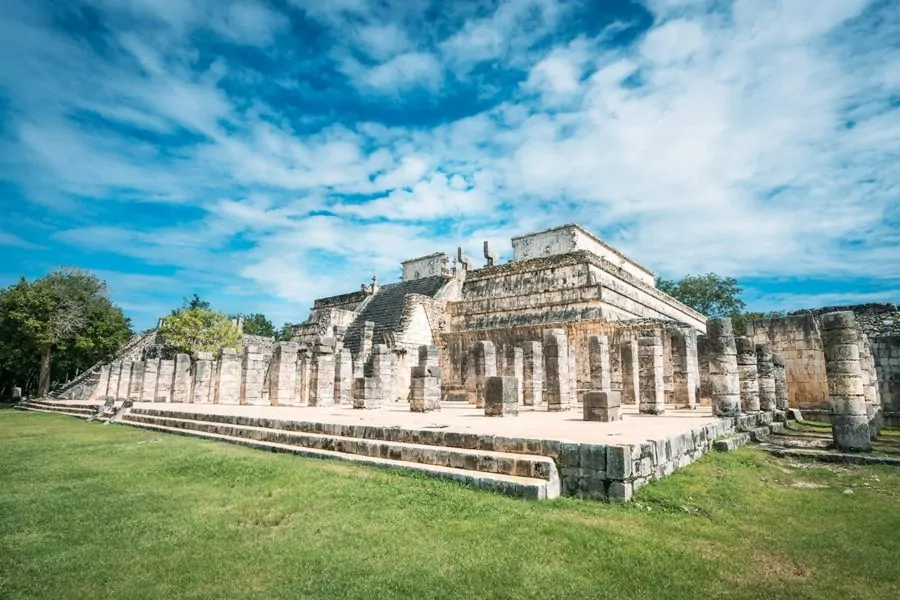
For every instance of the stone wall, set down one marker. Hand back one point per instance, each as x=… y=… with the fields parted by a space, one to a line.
x=426 y=266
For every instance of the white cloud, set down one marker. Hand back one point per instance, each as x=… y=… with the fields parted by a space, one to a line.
x=404 y=72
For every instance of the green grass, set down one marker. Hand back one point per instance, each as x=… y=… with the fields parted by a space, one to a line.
x=93 y=511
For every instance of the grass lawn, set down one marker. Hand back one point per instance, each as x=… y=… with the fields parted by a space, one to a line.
x=94 y=511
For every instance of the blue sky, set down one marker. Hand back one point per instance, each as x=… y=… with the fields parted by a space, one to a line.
x=263 y=153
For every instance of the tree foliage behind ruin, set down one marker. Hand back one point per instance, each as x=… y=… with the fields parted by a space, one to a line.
x=190 y=330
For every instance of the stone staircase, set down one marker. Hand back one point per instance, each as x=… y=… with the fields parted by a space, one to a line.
x=522 y=475
x=82 y=411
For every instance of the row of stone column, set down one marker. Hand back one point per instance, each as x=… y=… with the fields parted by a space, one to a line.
x=744 y=377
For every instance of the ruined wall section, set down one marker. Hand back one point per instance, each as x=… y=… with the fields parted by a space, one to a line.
x=433 y=265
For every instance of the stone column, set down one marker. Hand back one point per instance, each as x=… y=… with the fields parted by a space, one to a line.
x=322 y=382
x=501 y=397
x=598 y=361
x=137 y=380
x=704 y=393
x=112 y=384
x=148 y=385
x=382 y=371
x=765 y=369
x=557 y=381
x=685 y=368
x=425 y=382
x=573 y=370
x=304 y=377
x=366 y=393
x=485 y=366
x=343 y=378
x=283 y=382
x=367 y=343
x=164 y=380
x=515 y=367
x=253 y=374
x=203 y=378
x=124 y=381
x=870 y=385
x=630 y=369
x=102 y=383
x=602 y=405
x=468 y=374
x=724 y=383
x=532 y=374
x=650 y=372
x=781 y=391
x=181 y=386
x=749 y=376
x=228 y=381
x=849 y=421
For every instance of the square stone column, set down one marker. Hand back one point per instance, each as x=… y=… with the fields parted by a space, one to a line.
x=650 y=371
x=514 y=366
x=685 y=368
x=322 y=382
x=724 y=382
x=124 y=380
x=557 y=380
x=630 y=372
x=148 y=385
x=228 y=382
x=501 y=397
x=425 y=381
x=870 y=385
x=253 y=373
x=573 y=370
x=366 y=393
x=748 y=373
x=137 y=380
x=765 y=370
x=485 y=366
x=283 y=382
x=602 y=405
x=304 y=377
x=203 y=378
x=343 y=378
x=598 y=361
x=164 y=380
x=781 y=390
x=532 y=374
x=182 y=380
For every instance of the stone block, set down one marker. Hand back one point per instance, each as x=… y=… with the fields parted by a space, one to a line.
x=366 y=393
x=501 y=397
x=425 y=394
x=602 y=406
x=618 y=462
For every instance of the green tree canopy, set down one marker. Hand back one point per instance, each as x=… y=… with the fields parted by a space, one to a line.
x=191 y=330
x=740 y=320
x=63 y=322
x=710 y=294
x=285 y=333
x=258 y=324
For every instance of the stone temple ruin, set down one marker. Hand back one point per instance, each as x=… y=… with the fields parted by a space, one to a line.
x=562 y=371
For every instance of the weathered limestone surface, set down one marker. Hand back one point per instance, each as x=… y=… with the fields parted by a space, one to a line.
x=650 y=372
x=253 y=372
x=598 y=361
x=724 y=383
x=850 y=422
x=501 y=397
x=181 y=382
x=304 y=377
x=148 y=385
x=602 y=405
x=383 y=371
x=102 y=383
x=781 y=391
x=343 y=378
x=765 y=368
x=870 y=386
x=228 y=382
x=124 y=383
x=425 y=386
x=748 y=373
x=164 y=380
x=485 y=356
x=630 y=372
x=366 y=393
x=557 y=382
x=532 y=374
x=283 y=369
x=685 y=367
x=514 y=366
x=204 y=372
x=137 y=380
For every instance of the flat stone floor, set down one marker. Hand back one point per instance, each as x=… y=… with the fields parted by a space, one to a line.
x=464 y=418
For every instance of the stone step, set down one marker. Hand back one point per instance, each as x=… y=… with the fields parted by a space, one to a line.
x=49 y=405
x=57 y=411
x=502 y=463
x=732 y=443
x=511 y=485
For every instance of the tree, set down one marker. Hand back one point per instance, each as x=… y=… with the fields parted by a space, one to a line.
x=258 y=324
x=740 y=320
x=193 y=302
x=64 y=318
x=286 y=333
x=710 y=294
x=191 y=330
